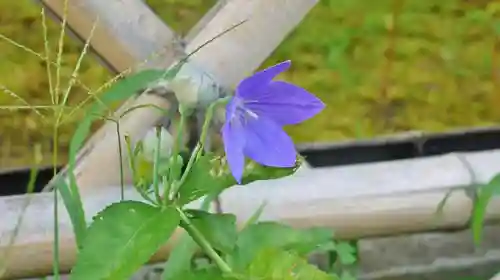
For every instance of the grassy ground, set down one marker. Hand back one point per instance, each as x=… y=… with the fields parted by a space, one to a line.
x=381 y=67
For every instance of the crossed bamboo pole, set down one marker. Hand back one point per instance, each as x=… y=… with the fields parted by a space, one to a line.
x=127 y=34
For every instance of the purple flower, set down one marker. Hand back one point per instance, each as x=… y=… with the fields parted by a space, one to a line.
x=255 y=117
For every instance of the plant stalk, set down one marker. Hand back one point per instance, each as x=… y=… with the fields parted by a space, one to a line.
x=55 y=265
x=156 y=165
x=195 y=155
x=203 y=243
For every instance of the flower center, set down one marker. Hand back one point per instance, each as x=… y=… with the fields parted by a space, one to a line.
x=240 y=114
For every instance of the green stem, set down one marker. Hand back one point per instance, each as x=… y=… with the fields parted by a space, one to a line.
x=156 y=165
x=195 y=155
x=55 y=265
x=178 y=142
x=208 y=118
x=173 y=185
x=122 y=187
x=203 y=243
x=176 y=185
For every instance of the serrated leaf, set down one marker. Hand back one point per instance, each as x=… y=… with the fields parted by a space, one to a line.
x=219 y=229
x=275 y=264
x=122 y=238
x=274 y=235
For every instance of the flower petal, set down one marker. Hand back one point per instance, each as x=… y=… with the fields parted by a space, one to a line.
x=231 y=108
x=268 y=144
x=234 y=142
x=250 y=86
x=285 y=103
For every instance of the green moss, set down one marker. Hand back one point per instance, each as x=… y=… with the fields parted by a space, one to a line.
x=440 y=75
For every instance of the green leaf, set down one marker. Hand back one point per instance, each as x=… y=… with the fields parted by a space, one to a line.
x=122 y=238
x=275 y=264
x=484 y=195
x=74 y=206
x=204 y=274
x=346 y=275
x=143 y=169
x=211 y=174
x=143 y=177
x=179 y=260
x=346 y=253
x=274 y=235
x=119 y=91
x=219 y=229
x=256 y=172
x=203 y=263
x=255 y=216
x=199 y=182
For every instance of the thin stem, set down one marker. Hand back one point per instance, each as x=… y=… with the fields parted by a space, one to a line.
x=203 y=243
x=26 y=103
x=173 y=172
x=74 y=75
x=197 y=150
x=208 y=118
x=131 y=163
x=60 y=51
x=156 y=165
x=166 y=189
x=180 y=139
x=176 y=185
x=47 y=59
x=195 y=155
x=120 y=155
x=55 y=266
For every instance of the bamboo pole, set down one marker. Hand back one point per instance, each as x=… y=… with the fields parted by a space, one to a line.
x=228 y=59
x=376 y=199
x=134 y=36
x=31 y=253
x=127 y=32
x=356 y=201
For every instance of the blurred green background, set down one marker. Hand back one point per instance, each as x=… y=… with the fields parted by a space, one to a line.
x=381 y=67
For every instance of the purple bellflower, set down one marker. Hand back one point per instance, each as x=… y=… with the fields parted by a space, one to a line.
x=255 y=117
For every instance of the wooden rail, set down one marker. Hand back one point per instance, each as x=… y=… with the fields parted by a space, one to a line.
x=357 y=201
